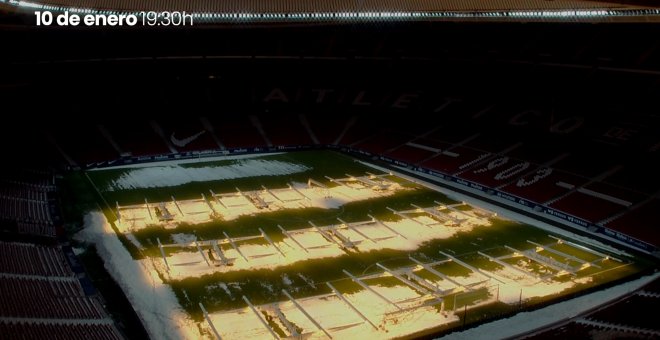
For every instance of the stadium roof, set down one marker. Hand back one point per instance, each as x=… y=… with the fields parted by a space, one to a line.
x=367 y=10
x=307 y=6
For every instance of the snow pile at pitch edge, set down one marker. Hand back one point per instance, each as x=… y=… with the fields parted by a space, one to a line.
x=173 y=175
x=154 y=301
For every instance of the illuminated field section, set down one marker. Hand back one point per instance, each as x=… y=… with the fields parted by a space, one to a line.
x=319 y=245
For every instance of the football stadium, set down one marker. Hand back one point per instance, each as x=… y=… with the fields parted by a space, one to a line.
x=260 y=169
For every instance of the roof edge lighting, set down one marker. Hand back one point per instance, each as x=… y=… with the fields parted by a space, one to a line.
x=238 y=17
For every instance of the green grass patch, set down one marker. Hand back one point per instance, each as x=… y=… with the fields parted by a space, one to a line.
x=296 y=219
x=321 y=163
x=223 y=291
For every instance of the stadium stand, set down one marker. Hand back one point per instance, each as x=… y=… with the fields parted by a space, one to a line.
x=98 y=149
x=590 y=208
x=41 y=296
x=539 y=153
x=285 y=130
x=641 y=177
x=46 y=299
x=138 y=138
x=420 y=126
x=493 y=143
x=434 y=145
x=451 y=135
x=640 y=222
x=542 y=186
x=616 y=194
x=455 y=159
x=497 y=171
x=588 y=163
x=566 y=181
x=30 y=259
x=26 y=203
x=63 y=331
x=381 y=143
x=625 y=318
x=237 y=132
x=326 y=128
x=411 y=153
x=627 y=312
x=32 y=178
x=361 y=130
x=187 y=135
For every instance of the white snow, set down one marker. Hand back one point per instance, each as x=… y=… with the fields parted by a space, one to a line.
x=234 y=205
x=225 y=288
x=158 y=307
x=173 y=175
x=268 y=287
x=286 y=280
x=154 y=301
x=133 y=240
x=184 y=264
x=518 y=286
x=502 y=212
x=184 y=161
x=183 y=238
x=337 y=318
x=528 y=321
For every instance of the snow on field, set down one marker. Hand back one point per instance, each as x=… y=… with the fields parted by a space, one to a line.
x=225 y=288
x=185 y=161
x=173 y=175
x=195 y=211
x=185 y=264
x=183 y=238
x=235 y=201
x=190 y=263
x=337 y=318
x=157 y=305
x=163 y=317
x=286 y=195
x=228 y=207
x=154 y=301
x=518 y=286
x=528 y=321
x=133 y=240
x=505 y=213
x=299 y=196
x=286 y=280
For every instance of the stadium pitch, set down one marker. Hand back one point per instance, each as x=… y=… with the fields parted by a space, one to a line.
x=318 y=245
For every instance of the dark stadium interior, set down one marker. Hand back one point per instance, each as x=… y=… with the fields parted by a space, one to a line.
x=575 y=103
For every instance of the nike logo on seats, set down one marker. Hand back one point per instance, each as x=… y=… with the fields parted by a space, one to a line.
x=183 y=142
